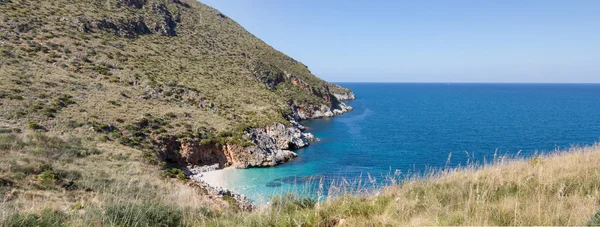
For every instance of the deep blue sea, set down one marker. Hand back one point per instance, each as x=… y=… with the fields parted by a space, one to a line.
x=412 y=127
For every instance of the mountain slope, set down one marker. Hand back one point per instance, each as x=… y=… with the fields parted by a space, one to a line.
x=176 y=79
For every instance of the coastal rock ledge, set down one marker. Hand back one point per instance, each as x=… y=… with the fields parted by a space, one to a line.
x=270 y=146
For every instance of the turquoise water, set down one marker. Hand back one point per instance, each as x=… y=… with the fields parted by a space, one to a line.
x=401 y=128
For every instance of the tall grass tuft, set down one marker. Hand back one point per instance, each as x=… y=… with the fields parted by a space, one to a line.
x=49 y=218
x=145 y=214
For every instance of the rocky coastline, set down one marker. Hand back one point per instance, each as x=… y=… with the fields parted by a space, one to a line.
x=196 y=172
x=273 y=145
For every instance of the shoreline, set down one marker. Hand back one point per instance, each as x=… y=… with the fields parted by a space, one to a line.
x=213 y=179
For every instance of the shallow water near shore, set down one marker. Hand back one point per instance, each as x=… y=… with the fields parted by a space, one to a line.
x=401 y=128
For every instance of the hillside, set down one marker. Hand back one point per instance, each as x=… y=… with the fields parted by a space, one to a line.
x=176 y=79
x=118 y=103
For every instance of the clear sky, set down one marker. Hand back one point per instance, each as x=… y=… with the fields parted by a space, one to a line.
x=430 y=41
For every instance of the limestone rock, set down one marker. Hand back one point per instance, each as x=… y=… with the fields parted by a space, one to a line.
x=303 y=112
x=344 y=96
x=288 y=137
x=265 y=152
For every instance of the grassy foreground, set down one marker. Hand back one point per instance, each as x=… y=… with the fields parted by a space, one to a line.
x=558 y=189
x=48 y=181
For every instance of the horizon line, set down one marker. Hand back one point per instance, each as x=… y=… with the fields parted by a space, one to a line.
x=467 y=82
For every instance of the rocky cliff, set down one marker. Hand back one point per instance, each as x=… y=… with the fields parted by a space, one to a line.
x=271 y=145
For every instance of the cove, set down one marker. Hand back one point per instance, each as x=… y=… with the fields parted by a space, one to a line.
x=411 y=127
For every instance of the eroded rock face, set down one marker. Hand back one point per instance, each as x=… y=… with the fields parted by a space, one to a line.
x=272 y=144
x=265 y=152
x=288 y=138
x=303 y=112
x=344 y=96
x=157 y=18
x=269 y=75
x=125 y=28
x=132 y=3
x=163 y=21
x=271 y=147
x=204 y=154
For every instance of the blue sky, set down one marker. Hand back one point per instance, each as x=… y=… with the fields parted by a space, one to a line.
x=430 y=41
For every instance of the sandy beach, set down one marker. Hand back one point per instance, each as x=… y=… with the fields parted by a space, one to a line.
x=217 y=178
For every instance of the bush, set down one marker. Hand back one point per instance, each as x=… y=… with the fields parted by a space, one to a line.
x=104 y=138
x=47 y=178
x=148 y=214
x=175 y=172
x=291 y=202
x=34 y=125
x=595 y=220
x=114 y=103
x=74 y=124
x=45 y=218
x=171 y=115
x=64 y=100
x=57 y=148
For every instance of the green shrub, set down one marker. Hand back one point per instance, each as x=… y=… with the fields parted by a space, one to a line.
x=57 y=148
x=289 y=203
x=34 y=125
x=146 y=214
x=47 y=217
x=225 y=134
x=74 y=124
x=47 y=178
x=77 y=206
x=114 y=103
x=171 y=115
x=104 y=138
x=64 y=100
x=175 y=172
x=595 y=220
x=172 y=84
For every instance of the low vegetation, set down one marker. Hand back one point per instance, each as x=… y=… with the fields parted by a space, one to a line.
x=46 y=180
x=559 y=189
x=182 y=60
x=137 y=71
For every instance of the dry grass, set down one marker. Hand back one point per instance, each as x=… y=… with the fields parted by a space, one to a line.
x=113 y=186
x=562 y=188
x=84 y=186
x=557 y=189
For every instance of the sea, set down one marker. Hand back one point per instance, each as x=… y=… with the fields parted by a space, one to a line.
x=402 y=129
